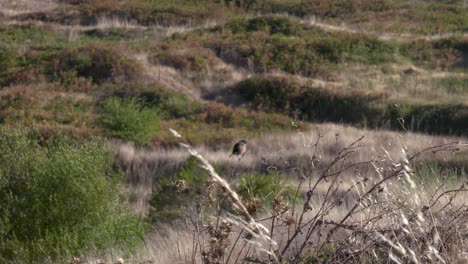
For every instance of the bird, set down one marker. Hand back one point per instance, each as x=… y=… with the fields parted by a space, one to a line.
x=239 y=149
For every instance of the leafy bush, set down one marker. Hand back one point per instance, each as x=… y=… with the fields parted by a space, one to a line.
x=127 y=119
x=60 y=198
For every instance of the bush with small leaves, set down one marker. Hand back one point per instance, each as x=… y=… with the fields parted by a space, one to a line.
x=127 y=119
x=60 y=197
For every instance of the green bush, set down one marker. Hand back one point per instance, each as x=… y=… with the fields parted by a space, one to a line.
x=126 y=119
x=60 y=198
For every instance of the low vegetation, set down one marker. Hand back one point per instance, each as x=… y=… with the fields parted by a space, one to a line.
x=280 y=43
x=279 y=94
x=341 y=208
x=102 y=101
x=429 y=17
x=143 y=12
x=61 y=197
x=127 y=119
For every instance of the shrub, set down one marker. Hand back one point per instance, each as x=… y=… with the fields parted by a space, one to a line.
x=288 y=96
x=60 y=198
x=442 y=53
x=193 y=60
x=17 y=103
x=179 y=193
x=261 y=191
x=127 y=119
x=269 y=93
x=94 y=62
x=271 y=43
x=171 y=104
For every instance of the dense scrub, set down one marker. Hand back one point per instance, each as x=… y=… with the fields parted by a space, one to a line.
x=69 y=66
x=277 y=43
x=60 y=197
x=269 y=43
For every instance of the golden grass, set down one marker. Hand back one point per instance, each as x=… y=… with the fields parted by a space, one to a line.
x=282 y=151
x=398 y=200
x=403 y=82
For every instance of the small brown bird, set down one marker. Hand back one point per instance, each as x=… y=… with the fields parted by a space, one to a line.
x=239 y=149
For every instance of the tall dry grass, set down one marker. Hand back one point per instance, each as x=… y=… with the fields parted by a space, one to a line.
x=358 y=198
x=405 y=80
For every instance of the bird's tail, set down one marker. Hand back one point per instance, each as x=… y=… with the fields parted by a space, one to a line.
x=230 y=155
